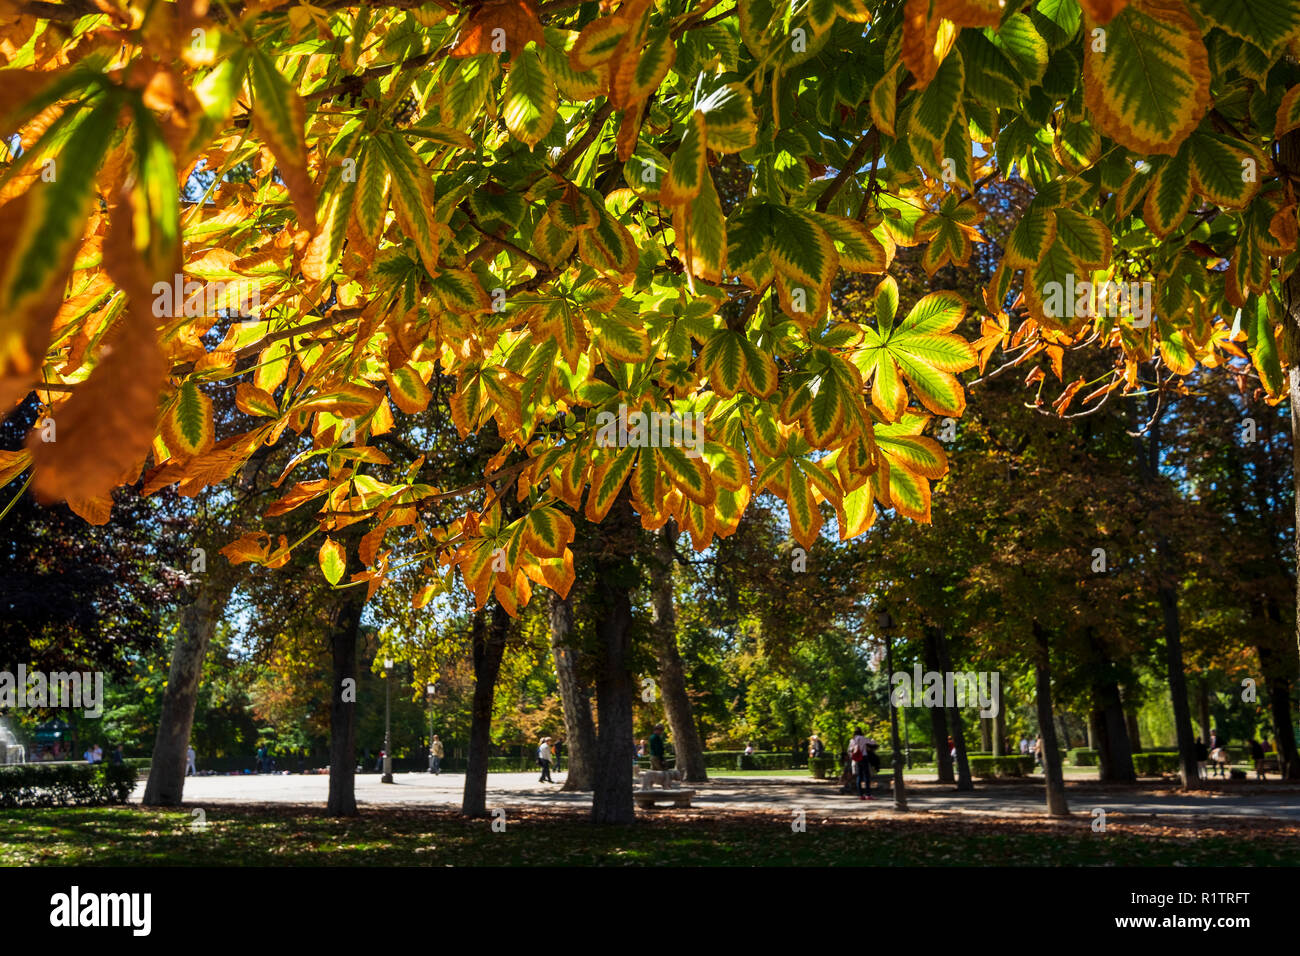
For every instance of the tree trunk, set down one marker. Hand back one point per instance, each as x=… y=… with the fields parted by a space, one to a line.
x=938 y=719
x=1000 y=726
x=489 y=647
x=672 y=675
x=1131 y=724
x=986 y=734
x=615 y=576
x=579 y=728
x=1097 y=741
x=1203 y=707
x=167 y=771
x=1055 y=778
x=1278 y=687
x=1115 y=753
x=1177 y=679
x=964 y=781
x=343 y=708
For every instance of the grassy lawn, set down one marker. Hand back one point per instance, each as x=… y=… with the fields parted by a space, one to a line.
x=289 y=836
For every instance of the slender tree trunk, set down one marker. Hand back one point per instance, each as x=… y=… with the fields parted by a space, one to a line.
x=1055 y=778
x=199 y=620
x=1000 y=726
x=964 y=781
x=1177 y=680
x=1278 y=687
x=1097 y=741
x=489 y=636
x=986 y=734
x=579 y=728
x=344 y=634
x=1203 y=707
x=938 y=718
x=672 y=675
x=1131 y=708
x=1115 y=754
x=615 y=577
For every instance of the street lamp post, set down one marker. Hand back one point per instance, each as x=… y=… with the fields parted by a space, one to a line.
x=429 y=690
x=885 y=624
x=388 y=723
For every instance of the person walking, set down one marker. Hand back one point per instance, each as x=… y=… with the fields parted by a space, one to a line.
x=556 y=749
x=435 y=756
x=1257 y=755
x=544 y=759
x=190 y=756
x=1218 y=754
x=1038 y=752
x=1202 y=755
x=861 y=765
x=657 y=748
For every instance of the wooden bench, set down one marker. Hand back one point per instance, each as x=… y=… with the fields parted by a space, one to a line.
x=646 y=799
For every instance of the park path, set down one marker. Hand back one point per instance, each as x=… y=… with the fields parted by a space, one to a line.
x=746 y=793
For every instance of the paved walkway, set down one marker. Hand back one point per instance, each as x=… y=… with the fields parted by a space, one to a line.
x=739 y=793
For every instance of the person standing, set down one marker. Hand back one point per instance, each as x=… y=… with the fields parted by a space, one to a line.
x=1202 y=755
x=556 y=750
x=1257 y=755
x=657 y=748
x=861 y=765
x=190 y=756
x=118 y=758
x=544 y=759
x=435 y=756
x=99 y=754
x=1038 y=752
x=1218 y=755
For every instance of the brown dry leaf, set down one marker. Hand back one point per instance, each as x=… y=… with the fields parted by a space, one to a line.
x=517 y=19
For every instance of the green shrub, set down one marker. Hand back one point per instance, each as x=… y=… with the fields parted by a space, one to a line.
x=822 y=767
x=1016 y=766
x=64 y=785
x=1152 y=764
x=1083 y=757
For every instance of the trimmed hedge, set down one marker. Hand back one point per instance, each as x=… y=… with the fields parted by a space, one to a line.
x=1016 y=766
x=1153 y=764
x=1083 y=757
x=64 y=785
x=768 y=761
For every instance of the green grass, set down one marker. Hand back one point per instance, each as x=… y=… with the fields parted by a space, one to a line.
x=293 y=836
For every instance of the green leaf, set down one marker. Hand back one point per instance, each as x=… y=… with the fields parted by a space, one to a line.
x=530 y=100
x=333 y=560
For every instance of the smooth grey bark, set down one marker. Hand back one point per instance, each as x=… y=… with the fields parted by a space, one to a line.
x=579 y=727
x=615 y=576
x=489 y=645
x=344 y=634
x=672 y=674
x=1055 y=778
x=938 y=718
x=166 y=785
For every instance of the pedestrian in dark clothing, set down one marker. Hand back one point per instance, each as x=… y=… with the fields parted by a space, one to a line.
x=657 y=748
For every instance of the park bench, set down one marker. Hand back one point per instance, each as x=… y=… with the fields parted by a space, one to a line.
x=646 y=795
x=646 y=799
